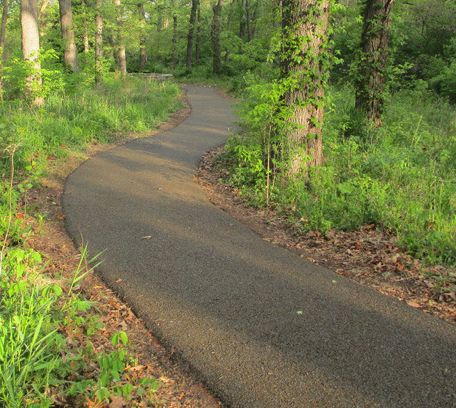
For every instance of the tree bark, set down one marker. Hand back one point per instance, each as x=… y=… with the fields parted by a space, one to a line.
x=174 y=45
x=85 y=33
x=370 y=83
x=216 y=30
x=242 y=21
x=304 y=28
x=120 y=47
x=99 y=43
x=248 y=21
x=198 y=35
x=191 y=34
x=66 y=23
x=3 y=29
x=31 y=48
x=142 y=38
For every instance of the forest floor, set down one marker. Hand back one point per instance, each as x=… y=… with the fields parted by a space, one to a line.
x=367 y=256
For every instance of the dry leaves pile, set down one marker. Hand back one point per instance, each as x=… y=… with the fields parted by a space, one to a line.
x=367 y=256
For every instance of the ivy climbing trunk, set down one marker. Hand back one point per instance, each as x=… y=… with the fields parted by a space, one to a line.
x=66 y=24
x=142 y=38
x=370 y=83
x=99 y=43
x=305 y=71
x=31 y=49
x=216 y=30
x=191 y=33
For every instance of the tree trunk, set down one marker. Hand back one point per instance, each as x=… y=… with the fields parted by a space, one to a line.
x=120 y=47
x=66 y=23
x=304 y=56
x=191 y=33
x=242 y=21
x=142 y=38
x=99 y=44
x=370 y=84
x=174 y=45
x=248 y=22
x=3 y=29
x=216 y=30
x=198 y=35
x=31 y=48
x=85 y=33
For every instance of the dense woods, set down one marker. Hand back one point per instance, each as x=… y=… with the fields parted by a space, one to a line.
x=347 y=109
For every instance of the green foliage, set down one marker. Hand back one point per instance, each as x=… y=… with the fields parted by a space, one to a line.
x=37 y=312
x=399 y=177
x=72 y=120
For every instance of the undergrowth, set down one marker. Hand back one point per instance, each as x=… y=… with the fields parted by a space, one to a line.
x=400 y=178
x=40 y=315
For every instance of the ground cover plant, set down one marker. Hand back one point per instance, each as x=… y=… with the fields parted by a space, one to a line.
x=42 y=315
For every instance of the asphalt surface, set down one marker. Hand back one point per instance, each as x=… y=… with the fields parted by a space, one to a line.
x=261 y=327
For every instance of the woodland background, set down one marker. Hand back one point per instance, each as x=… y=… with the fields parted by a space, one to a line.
x=347 y=120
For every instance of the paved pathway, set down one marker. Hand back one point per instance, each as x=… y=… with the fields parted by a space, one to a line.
x=258 y=325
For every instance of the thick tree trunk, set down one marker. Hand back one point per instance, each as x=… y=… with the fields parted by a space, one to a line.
x=142 y=38
x=66 y=23
x=191 y=34
x=99 y=44
x=370 y=84
x=120 y=47
x=31 y=48
x=3 y=29
x=216 y=30
x=304 y=53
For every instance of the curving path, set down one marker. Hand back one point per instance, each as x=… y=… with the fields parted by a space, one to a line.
x=261 y=327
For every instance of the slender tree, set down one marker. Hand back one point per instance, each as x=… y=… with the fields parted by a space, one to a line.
x=31 y=48
x=304 y=57
x=198 y=35
x=174 y=42
x=216 y=30
x=142 y=37
x=99 y=43
x=370 y=83
x=85 y=32
x=3 y=29
x=66 y=24
x=191 y=33
x=121 y=56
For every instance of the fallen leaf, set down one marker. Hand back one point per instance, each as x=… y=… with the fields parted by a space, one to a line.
x=117 y=402
x=414 y=304
x=118 y=280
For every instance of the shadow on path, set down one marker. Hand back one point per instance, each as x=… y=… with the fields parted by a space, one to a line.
x=260 y=326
